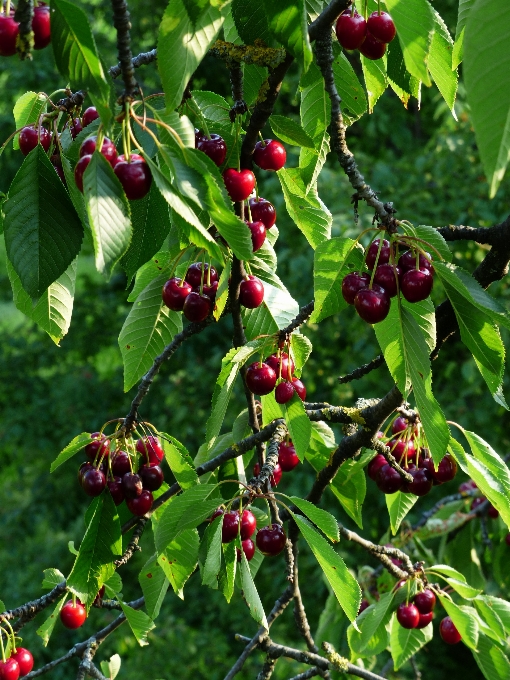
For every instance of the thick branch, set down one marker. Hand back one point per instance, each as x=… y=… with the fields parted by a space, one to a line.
x=496 y=235
x=122 y=23
x=29 y=610
x=327 y=18
x=301 y=318
x=24 y=14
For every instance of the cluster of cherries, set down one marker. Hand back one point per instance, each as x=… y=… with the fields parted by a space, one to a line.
x=413 y=459
x=9 y=29
x=370 y=37
x=371 y=292
x=19 y=664
x=418 y=614
x=270 y=539
x=261 y=378
x=114 y=469
x=467 y=488
x=287 y=461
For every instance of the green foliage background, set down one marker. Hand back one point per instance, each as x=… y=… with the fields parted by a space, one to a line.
x=423 y=161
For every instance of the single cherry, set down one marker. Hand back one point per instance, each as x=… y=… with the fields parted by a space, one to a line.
x=175 y=292
x=134 y=175
x=262 y=211
x=132 y=485
x=150 y=446
x=352 y=283
x=284 y=392
x=194 y=274
x=425 y=601
x=373 y=249
x=275 y=478
x=214 y=147
x=248 y=549
x=83 y=469
x=260 y=378
x=388 y=480
x=372 y=48
x=140 y=505
x=79 y=169
x=408 y=615
x=492 y=512
x=251 y=292
x=199 y=136
x=421 y=484
x=446 y=470
x=115 y=488
x=248 y=525
x=9 y=30
x=230 y=527
x=89 y=115
x=399 y=425
x=269 y=155
x=287 y=456
x=75 y=127
x=108 y=149
x=386 y=276
x=120 y=464
x=408 y=261
x=9 y=669
x=271 y=540
x=197 y=307
x=99 y=447
x=300 y=388
x=258 y=234
x=29 y=137
x=466 y=487
x=152 y=477
x=287 y=364
x=375 y=465
x=25 y=660
x=210 y=291
x=381 y=26
x=449 y=632
x=239 y=185
x=416 y=284
x=364 y=605
x=476 y=502
x=93 y=482
x=402 y=449
x=425 y=619
x=372 y=304
x=98 y=600
x=73 y=615
x=351 y=29
x=41 y=27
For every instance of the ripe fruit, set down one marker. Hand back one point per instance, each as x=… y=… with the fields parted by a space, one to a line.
x=83 y=469
x=248 y=525
x=351 y=29
x=492 y=512
x=194 y=274
x=79 y=169
x=210 y=291
x=408 y=615
x=248 y=549
x=352 y=283
x=260 y=378
x=372 y=48
x=421 y=484
x=25 y=660
x=364 y=605
x=372 y=304
x=425 y=601
x=258 y=234
x=446 y=471
x=93 y=482
x=41 y=27
x=269 y=155
x=287 y=456
x=466 y=487
x=251 y=292
x=75 y=127
x=214 y=147
x=375 y=465
x=108 y=149
x=408 y=261
x=115 y=488
x=89 y=115
x=477 y=502
x=448 y=632
x=29 y=137
x=151 y=446
x=416 y=284
x=132 y=485
x=399 y=425
x=507 y=539
x=134 y=175
x=120 y=464
x=388 y=480
x=381 y=26
x=284 y=392
x=9 y=670
x=152 y=477
x=387 y=276
x=199 y=136
x=300 y=388
x=73 y=615
x=400 y=448
x=271 y=540
x=230 y=527
x=262 y=211
x=197 y=307
x=175 y=292
x=275 y=477
x=384 y=255
x=425 y=619
x=140 y=505
x=9 y=30
x=287 y=364
x=99 y=446
x=239 y=185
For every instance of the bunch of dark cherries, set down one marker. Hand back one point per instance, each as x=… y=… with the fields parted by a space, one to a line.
x=370 y=37
x=261 y=378
x=9 y=29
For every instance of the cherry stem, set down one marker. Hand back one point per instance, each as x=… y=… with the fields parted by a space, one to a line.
x=13 y=636
x=376 y=259
x=2 y=643
x=262 y=140
x=379 y=7
x=249 y=210
x=7 y=13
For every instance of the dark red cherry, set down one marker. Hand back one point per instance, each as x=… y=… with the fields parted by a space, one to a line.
x=408 y=615
x=283 y=392
x=89 y=115
x=351 y=29
x=230 y=527
x=447 y=469
x=408 y=261
x=402 y=449
x=217 y=513
x=9 y=669
x=262 y=211
x=258 y=234
x=507 y=539
x=73 y=616
x=372 y=48
x=79 y=169
x=416 y=285
x=428 y=464
x=260 y=379
x=194 y=274
x=83 y=469
x=214 y=147
x=375 y=465
x=421 y=484
x=150 y=446
x=199 y=136
x=210 y=291
x=248 y=548
x=175 y=292
x=287 y=364
x=99 y=597
x=152 y=477
x=100 y=446
x=388 y=480
x=275 y=478
x=248 y=525
x=476 y=502
x=372 y=304
x=115 y=488
x=287 y=456
x=25 y=660
x=132 y=485
x=364 y=605
x=300 y=388
x=93 y=482
x=425 y=601
x=373 y=249
x=449 y=632
x=425 y=619
x=140 y=505
x=381 y=26
x=134 y=175
x=269 y=155
x=271 y=540
x=9 y=30
x=387 y=276
x=352 y=283
x=108 y=149
x=251 y=292
x=197 y=307
x=239 y=185
x=120 y=464
x=75 y=127
x=399 y=425
x=468 y=486
x=29 y=136
x=41 y=27
x=492 y=512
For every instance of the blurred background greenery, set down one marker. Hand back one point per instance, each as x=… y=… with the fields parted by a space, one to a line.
x=421 y=159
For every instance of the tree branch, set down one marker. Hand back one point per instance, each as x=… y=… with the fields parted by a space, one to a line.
x=496 y=235
x=362 y=370
x=24 y=14
x=122 y=23
x=140 y=60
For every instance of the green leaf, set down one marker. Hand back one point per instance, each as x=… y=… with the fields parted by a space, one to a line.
x=440 y=62
x=43 y=234
x=315 y=111
x=212 y=564
x=487 y=80
x=374 y=73
x=250 y=594
x=179 y=559
x=196 y=8
x=161 y=263
x=228 y=574
x=322 y=519
x=432 y=237
x=377 y=643
x=214 y=107
x=306 y=209
x=270 y=409
x=254 y=77
x=344 y=584
x=54 y=308
x=182 y=46
x=148 y=328
x=111 y=668
x=100 y=546
x=490 y=617
x=405 y=643
x=154 y=586
x=47 y=627
x=277 y=310
x=458 y=48
x=333 y=260
x=77 y=444
x=414 y=20
x=456 y=580
x=370 y=622
x=139 y=623
x=180 y=462
x=300 y=428
x=27 y=110
x=491 y=660
x=290 y=132
x=52 y=578
x=464 y=622
x=301 y=348
x=151 y=224
x=287 y=21
x=398 y=505
x=354 y=101
x=399 y=78
x=251 y=21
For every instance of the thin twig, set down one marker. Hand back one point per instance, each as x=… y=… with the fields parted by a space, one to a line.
x=362 y=370
x=140 y=60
